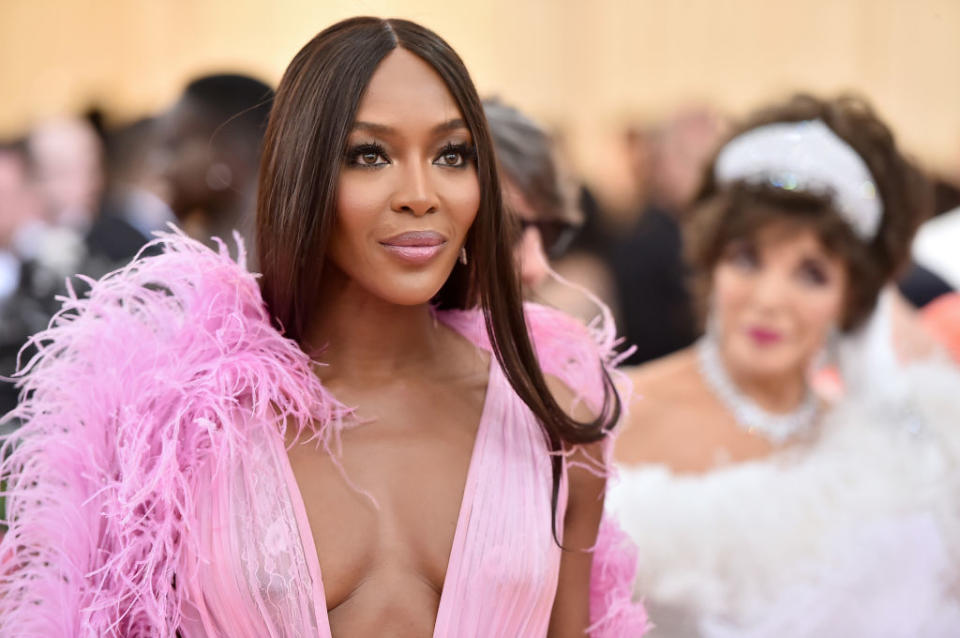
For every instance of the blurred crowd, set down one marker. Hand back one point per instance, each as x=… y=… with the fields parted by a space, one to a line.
x=78 y=197
x=81 y=196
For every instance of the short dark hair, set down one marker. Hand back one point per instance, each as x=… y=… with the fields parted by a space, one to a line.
x=721 y=214
x=234 y=103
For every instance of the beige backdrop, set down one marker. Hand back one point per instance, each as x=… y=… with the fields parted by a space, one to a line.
x=583 y=66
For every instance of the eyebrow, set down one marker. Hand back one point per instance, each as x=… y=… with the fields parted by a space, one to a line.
x=383 y=129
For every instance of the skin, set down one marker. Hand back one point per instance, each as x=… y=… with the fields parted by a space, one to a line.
x=66 y=155
x=208 y=180
x=783 y=282
x=529 y=252
x=19 y=204
x=384 y=567
x=579 y=269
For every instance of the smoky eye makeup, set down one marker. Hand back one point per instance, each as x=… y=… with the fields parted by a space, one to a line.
x=366 y=155
x=456 y=155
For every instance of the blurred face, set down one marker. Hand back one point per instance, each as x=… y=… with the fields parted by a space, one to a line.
x=408 y=190
x=776 y=298
x=185 y=157
x=529 y=252
x=19 y=205
x=67 y=163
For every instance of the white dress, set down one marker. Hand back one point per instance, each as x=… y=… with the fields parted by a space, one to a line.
x=856 y=534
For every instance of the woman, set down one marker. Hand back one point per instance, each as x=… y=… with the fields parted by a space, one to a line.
x=758 y=509
x=186 y=468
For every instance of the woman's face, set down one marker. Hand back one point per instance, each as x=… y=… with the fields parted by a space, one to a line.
x=408 y=189
x=776 y=298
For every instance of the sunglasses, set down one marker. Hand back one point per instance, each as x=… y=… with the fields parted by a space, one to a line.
x=556 y=236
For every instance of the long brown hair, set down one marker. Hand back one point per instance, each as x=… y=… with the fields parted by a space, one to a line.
x=313 y=112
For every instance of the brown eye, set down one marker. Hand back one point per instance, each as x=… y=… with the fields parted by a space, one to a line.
x=454 y=156
x=367 y=156
x=813 y=273
x=743 y=255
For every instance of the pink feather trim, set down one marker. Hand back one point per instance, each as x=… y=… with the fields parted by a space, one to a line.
x=162 y=367
x=613 y=614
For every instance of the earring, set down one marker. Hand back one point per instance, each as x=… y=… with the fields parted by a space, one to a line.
x=828 y=354
x=463 y=255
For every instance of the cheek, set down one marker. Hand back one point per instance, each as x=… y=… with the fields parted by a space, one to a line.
x=822 y=311
x=730 y=292
x=532 y=259
x=359 y=203
x=461 y=198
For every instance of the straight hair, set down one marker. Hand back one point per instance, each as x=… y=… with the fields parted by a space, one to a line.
x=304 y=145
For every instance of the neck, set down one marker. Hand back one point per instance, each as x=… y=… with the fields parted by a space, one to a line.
x=361 y=336
x=777 y=393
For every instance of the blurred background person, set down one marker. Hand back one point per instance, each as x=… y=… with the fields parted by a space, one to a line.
x=66 y=156
x=135 y=201
x=937 y=245
x=656 y=312
x=759 y=508
x=546 y=200
x=20 y=210
x=210 y=153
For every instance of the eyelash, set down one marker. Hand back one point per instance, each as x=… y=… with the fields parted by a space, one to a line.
x=813 y=274
x=466 y=152
x=370 y=148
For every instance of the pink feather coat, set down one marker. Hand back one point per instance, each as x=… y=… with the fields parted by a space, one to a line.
x=151 y=398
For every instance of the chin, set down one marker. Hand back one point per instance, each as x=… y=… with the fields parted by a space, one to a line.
x=763 y=360
x=409 y=290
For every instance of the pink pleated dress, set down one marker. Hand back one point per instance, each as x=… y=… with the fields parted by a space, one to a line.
x=261 y=577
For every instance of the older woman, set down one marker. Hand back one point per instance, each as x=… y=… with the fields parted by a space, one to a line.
x=759 y=509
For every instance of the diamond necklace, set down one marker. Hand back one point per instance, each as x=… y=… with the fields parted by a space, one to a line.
x=777 y=428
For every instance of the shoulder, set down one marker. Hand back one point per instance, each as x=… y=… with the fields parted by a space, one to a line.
x=579 y=355
x=669 y=380
x=665 y=392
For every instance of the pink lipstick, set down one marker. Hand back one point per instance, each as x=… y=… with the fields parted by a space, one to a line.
x=415 y=247
x=764 y=336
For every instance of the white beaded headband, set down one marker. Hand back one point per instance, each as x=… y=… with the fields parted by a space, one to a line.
x=805 y=156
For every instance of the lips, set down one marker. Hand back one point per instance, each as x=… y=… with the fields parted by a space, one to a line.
x=415 y=247
x=764 y=336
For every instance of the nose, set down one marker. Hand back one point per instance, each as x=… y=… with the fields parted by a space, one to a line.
x=769 y=288
x=415 y=192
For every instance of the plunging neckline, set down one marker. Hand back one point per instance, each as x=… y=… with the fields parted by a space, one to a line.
x=306 y=535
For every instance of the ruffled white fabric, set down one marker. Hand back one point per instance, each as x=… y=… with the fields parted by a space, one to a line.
x=857 y=534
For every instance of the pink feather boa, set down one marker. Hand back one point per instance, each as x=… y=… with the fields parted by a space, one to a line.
x=161 y=368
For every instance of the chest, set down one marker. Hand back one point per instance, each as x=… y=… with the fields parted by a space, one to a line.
x=697 y=436
x=386 y=508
